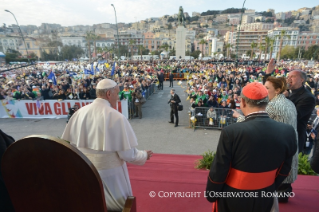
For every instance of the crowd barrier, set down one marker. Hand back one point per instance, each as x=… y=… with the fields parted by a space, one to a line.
x=220 y=119
x=131 y=107
x=47 y=108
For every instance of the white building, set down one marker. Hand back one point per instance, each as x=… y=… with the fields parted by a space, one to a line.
x=7 y=42
x=231 y=37
x=292 y=41
x=256 y=26
x=247 y=19
x=281 y=16
x=104 y=43
x=195 y=14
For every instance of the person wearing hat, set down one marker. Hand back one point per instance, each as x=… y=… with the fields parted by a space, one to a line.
x=252 y=156
x=106 y=137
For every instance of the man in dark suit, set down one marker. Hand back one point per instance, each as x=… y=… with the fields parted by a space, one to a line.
x=253 y=157
x=304 y=101
x=300 y=96
x=160 y=77
x=174 y=103
x=171 y=79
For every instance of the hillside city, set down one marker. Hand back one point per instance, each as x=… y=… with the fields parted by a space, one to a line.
x=213 y=34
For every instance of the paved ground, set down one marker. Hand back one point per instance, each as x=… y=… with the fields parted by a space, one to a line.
x=153 y=130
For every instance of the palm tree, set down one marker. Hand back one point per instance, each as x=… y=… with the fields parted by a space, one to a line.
x=202 y=42
x=282 y=36
x=95 y=38
x=272 y=42
x=164 y=46
x=131 y=44
x=267 y=40
x=253 y=45
x=141 y=48
x=89 y=39
x=261 y=50
x=228 y=46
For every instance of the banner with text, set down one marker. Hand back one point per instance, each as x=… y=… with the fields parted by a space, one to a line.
x=47 y=109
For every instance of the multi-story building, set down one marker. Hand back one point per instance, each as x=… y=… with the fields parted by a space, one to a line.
x=247 y=19
x=292 y=41
x=247 y=37
x=9 y=42
x=281 y=15
x=32 y=45
x=234 y=21
x=105 y=32
x=306 y=40
x=231 y=37
x=126 y=36
x=195 y=14
x=255 y=26
x=272 y=11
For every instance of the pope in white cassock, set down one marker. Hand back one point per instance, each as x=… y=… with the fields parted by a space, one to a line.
x=106 y=137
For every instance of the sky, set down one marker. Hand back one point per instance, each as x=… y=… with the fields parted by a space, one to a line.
x=89 y=12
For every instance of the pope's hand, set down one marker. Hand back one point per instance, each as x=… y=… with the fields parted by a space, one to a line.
x=149 y=154
x=271 y=66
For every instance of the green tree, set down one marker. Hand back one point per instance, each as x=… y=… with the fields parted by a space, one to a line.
x=253 y=45
x=172 y=52
x=288 y=52
x=132 y=44
x=89 y=39
x=195 y=54
x=267 y=41
x=271 y=44
x=228 y=46
x=257 y=20
x=202 y=42
x=70 y=52
x=283 y=34
x=164 y=46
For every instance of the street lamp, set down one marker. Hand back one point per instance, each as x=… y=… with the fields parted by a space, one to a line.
x=21 y=34
x=117 y=30
x=241 y=20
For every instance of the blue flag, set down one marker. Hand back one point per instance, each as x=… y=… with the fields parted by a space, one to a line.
x=86 y=71
x=92 y=69
x=97 y=69
x=113 y=69
x=52 y=77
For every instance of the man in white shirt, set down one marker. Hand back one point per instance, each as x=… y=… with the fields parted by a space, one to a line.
x=106 y=137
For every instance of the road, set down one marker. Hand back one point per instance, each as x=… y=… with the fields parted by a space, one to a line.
x=152 y=131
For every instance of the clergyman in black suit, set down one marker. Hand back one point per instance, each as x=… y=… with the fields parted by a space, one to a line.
x=174 y=101
x=171 y=79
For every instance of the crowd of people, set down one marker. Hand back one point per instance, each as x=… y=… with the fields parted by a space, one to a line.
x=277 y=97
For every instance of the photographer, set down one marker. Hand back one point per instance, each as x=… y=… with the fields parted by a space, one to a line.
x=137 y=97
x=72 y=110
x=174 y=103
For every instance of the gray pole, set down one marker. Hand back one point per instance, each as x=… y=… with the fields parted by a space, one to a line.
x=117 y=29
x=237 y=41
x=21 y=34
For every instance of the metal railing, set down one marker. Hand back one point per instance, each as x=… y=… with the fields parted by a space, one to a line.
x=218 y=119
x=147 y=93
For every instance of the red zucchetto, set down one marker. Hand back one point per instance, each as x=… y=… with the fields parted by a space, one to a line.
x=255 y=91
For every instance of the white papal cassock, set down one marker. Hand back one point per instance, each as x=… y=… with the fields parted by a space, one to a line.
x=106 y=137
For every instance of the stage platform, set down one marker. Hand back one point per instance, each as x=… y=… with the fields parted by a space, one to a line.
x=170 y=183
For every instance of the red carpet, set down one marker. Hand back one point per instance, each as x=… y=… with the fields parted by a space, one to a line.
x=176 y=173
